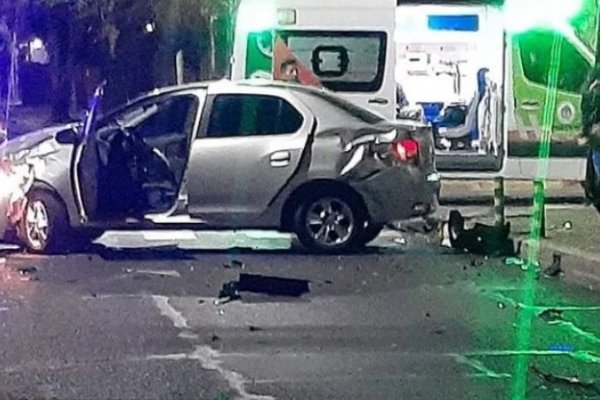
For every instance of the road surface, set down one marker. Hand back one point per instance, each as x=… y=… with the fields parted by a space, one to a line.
x=412 y=321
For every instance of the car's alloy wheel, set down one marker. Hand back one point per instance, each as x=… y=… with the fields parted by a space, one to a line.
x=330 y=223
x=45 y=227
x=37 y=225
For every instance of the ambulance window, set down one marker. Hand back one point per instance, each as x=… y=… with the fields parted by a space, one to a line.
x=536 y=47
x=343 y=61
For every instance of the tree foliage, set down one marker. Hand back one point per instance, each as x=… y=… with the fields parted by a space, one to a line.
x=111 y=36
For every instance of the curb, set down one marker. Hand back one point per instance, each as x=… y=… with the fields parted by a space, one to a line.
x=482 y=192
x=579 y=267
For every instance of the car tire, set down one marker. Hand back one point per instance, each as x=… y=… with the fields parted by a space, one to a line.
x=371 y=232
x=44 y=228
x=328 y=222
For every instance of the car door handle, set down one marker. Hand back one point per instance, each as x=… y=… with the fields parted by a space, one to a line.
x=379 y=100
x=281 y=159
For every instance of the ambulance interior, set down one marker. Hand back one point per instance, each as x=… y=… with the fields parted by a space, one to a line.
x=450 y=72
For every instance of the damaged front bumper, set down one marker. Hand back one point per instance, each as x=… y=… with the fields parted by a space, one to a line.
x=15 y=182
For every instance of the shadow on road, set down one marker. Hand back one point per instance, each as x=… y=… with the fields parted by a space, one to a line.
x=176 y=253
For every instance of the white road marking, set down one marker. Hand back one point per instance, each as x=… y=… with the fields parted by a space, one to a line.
x=2 y=309
x=171 y=273
x=538 y=309
x=479 y=367
x=179 y=321
x=188 y=335
x=210 y=360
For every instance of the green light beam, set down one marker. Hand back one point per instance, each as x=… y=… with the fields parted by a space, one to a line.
x=526 y=314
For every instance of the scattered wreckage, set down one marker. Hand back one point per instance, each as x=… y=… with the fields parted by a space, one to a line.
x=481 y=239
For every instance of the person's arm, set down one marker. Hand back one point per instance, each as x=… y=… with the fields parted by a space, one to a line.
x=590 y=104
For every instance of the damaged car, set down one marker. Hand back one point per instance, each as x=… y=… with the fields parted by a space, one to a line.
x=219 y=155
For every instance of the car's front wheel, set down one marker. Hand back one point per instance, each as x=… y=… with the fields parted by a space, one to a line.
x=45 y=227
x=331 y=223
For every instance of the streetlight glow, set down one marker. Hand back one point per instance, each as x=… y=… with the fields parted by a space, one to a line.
x=523 y=15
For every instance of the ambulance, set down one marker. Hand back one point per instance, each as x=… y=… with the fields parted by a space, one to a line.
x=478 y=74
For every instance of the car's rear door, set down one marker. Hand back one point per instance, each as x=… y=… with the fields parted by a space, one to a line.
x=250 y=145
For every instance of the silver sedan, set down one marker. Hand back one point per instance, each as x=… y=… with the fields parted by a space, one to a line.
x=222 y=155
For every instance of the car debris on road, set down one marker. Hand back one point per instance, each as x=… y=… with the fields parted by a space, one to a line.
x=261 y=284
x=27 y=270
x=555 y=269
x=481 y=239
x=573 y=381
x=234 y=264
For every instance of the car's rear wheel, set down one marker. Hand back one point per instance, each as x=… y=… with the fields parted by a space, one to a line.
x=331 y=223
x=45 y=227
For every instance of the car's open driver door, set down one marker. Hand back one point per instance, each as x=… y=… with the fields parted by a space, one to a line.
x=85 y=163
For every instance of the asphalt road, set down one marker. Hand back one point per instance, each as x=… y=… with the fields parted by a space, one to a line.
x=400 y=321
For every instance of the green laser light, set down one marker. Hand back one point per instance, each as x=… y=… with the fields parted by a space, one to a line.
x=523 y=15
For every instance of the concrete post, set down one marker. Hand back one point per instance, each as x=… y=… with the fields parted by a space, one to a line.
x=539 y=193
x=499 y=202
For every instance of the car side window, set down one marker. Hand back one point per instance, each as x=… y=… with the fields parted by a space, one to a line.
x=167 y=117
x=252 y=115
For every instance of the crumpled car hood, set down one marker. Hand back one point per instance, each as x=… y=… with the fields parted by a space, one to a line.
x=19 y=148
x=22 y=161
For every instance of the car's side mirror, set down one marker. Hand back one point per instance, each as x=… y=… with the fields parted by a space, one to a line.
x=68 y=136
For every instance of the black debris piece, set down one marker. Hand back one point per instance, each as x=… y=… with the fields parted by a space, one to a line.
x=481 y=239
x=269 y=285
x=328 y=282
x=273 y=286
x=421 y=226
x=428 y=315
x=230 y=291
x=551 y=315
x=555 y=269
x=590 y=388
x=477 y=262
x=27 y=270
x=214 y=338
x=252 y=328
x=439 y=331
x=234 y=264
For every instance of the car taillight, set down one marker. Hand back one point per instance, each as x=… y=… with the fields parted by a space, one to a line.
x=405 y=150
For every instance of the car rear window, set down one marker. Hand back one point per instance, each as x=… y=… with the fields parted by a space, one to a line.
x=348 y=109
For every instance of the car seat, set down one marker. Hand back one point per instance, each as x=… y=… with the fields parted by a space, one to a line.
x=470 y=129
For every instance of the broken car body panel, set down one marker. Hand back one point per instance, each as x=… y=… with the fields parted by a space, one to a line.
x=34 y=159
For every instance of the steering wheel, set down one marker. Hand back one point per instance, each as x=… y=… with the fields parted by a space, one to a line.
x=166 y=168
x=149 y=163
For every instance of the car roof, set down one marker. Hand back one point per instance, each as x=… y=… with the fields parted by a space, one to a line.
x=225 y=83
